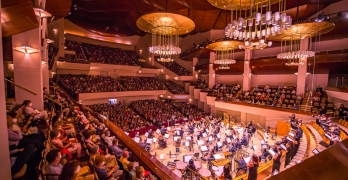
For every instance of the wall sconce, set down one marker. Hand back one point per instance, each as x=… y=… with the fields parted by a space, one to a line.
x=210 y=64
x=49 y=41
x=141 y=51
x=41 y=13
x=296 y=73
x=139 y=71
x=26 y=49
x=246 y=62
x=43 y=62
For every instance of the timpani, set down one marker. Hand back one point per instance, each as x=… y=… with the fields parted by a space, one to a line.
x=204 y=173
x=180 y=165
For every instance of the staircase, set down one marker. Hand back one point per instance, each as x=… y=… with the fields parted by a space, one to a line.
x=306 y=103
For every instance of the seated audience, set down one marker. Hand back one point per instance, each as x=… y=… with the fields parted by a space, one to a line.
x=176 y=68
x=71 y=147
x=105 y=172
x=174 y=88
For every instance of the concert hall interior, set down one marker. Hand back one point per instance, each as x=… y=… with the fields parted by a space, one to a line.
x=174 y=89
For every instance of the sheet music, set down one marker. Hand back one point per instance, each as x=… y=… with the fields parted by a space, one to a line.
x=176 y=138
x=158 y=131
x=289 y=139
x=206 y=130
x=136 y=139
x=149 y=141
x=254 y=147
x=146 y=134
x=291 y=134
x=154 y=140
x=187 y=158
x=204 y=134
x=228 y=140
x=204 y=148
x=166 y=136
x=168 y=128
x=271 y=152
x=211 y=138
x=200 y=142
x=218 y=136
x=282 y=146
x=217 y=156
x=219 y=144
x=188 y=138
x=162 y=156
x=247 y=159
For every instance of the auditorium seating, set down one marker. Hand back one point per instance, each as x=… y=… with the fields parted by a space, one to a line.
x=200 y=84
x=75 y=84
x=318 y=133
x=136 y=83
x=176 y=68
x=121 y=115
x=174 y=87
x=302 y=152
x=225 y=91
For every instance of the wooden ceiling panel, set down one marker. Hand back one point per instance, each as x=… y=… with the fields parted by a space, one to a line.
x=17 y=16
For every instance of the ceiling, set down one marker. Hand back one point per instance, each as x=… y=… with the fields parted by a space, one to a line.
x=118 y=17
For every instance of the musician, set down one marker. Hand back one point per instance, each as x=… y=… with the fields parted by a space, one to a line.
x=192 y=166
x=163 y=131
x=292 y=118
x=200 y=135
x=264 y=154
x=289 y=153
x=244 y=141
x=162 y=142
x=253 y=165
x=276 y=159
x=150 y=133
x=142 y=143
x=227 y=172
x=241 y=164
x=181 y=132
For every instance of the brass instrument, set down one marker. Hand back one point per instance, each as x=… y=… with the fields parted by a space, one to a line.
x=221 y=162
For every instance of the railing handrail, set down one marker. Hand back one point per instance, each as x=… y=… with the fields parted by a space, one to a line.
x=32 y=92
x=196 y=174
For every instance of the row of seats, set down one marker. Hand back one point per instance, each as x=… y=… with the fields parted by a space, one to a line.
x=302 y=151
x=176 y=68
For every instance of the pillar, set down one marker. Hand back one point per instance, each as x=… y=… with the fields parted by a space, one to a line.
x=211 y=69
x=247 y=71
x=194 y=72
x=60 y=33
x=302 y=69
x=4 y=151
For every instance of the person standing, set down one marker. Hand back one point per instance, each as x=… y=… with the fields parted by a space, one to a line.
x=289 y=153
x=253 y=165
x=276 y=160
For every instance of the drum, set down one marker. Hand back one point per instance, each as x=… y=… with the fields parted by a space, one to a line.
x=181 y=165
x=198 y=165
x=205 y=173
x=177 y=172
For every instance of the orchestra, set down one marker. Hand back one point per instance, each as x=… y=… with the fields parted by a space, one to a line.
x=223 y=147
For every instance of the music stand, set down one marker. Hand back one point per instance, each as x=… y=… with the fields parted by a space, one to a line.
x=162 y=157
x=217 y=156
x=137 y=139
x=316 y=151
x=283 y=147
x=186 y=158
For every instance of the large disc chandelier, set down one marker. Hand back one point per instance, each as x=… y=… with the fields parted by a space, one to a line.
x=165 y=29
x=255 y=22
x=224 y=52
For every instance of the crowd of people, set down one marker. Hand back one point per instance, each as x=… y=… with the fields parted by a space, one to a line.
x=70 y=57
x=189 y=110
x=136 y=83
x=225 y=91
x=124 y=117
x=75 y=84
x=107 y=55
x=71 y=45
x=176 y=68
x=276 y=96
x=174 y=87
x=200 y=84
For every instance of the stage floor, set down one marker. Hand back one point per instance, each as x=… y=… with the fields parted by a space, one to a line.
x=164 y=153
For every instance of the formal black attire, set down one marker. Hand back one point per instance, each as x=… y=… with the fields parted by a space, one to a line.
x=253 y=172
